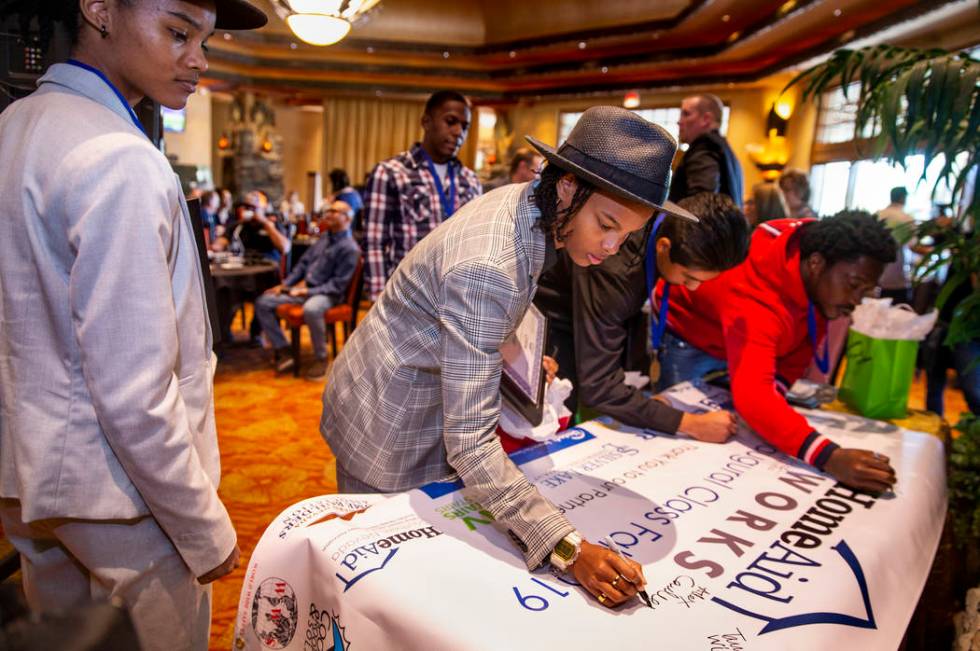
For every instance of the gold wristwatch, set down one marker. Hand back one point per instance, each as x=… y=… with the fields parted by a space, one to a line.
x=566 y=551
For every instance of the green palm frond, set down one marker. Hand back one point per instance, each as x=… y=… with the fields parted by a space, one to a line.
x=928 y=102
x=924 y=101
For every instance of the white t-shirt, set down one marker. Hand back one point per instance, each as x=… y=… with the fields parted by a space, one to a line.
x=898 y=274
x=442 y=170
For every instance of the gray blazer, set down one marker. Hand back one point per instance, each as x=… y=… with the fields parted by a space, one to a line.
x=106 y=399
x=414 y=396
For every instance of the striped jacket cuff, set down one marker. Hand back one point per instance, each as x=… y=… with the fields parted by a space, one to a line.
x=816 y=449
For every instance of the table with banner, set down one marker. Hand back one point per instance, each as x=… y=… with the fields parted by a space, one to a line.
x=742 y=547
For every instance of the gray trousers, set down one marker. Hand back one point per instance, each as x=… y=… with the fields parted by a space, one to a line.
x=68 y=562
x=313 y=309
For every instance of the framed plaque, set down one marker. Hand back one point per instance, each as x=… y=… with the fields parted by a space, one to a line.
x=523 y=378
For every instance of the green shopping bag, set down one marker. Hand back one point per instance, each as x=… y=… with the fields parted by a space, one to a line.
x=879 y=375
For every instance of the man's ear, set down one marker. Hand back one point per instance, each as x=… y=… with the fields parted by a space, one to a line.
x=96 y=14
x=663 y=246
x=816 y=263
x=566 y=189
x=426 y=122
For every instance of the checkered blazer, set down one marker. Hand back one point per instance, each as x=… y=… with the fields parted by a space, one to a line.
x=401 y=206
x=414 y=396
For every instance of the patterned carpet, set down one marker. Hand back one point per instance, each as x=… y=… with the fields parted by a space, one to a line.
x=272 y=455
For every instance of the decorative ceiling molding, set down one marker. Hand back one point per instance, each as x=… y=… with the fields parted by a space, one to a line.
x=764 y=37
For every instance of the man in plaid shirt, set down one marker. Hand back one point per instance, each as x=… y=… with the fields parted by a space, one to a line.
x=407 y=196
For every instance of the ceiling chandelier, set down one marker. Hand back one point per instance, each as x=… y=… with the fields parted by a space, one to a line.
x=322 y=22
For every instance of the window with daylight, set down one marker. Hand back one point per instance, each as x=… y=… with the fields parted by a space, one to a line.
x=866 y=184
x=666 y=117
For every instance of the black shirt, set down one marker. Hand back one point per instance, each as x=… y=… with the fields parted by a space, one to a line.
x=601 y=306
x=708 y=165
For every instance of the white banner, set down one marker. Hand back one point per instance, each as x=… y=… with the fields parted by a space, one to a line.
x=742 y=548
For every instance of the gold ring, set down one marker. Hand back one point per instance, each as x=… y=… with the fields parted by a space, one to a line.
x=602 y=597
x=615 y=581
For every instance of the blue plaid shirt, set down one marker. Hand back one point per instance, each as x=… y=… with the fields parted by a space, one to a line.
x=401 y=207
x=327 y=266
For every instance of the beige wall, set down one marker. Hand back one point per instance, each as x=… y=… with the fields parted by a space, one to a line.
x=747 y=120
x=302 y=145
x=192 y=147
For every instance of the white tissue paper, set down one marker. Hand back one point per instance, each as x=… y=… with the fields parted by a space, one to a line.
x=878 y=318
x=555 y=395
x=636 y=379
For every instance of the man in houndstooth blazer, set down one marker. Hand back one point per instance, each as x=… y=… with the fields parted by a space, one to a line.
x=414 y=396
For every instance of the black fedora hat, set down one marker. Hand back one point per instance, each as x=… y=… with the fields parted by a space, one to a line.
x=618 y=151
x=238 y=14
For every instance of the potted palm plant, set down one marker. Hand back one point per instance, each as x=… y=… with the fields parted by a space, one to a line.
x=921 y=101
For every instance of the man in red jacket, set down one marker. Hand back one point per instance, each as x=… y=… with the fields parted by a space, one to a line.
x=765 y=317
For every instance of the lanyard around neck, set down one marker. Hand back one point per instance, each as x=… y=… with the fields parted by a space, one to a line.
x=101 y=75
x=657 y=328
x=822 y=361
x=448 y=205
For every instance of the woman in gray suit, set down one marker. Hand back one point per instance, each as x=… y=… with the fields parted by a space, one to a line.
x=414 y=396
x=109 y=461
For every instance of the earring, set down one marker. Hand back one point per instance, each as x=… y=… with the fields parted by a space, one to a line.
x=103 y=32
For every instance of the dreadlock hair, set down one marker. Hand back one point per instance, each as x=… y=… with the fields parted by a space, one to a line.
x=719 y=241
x=847 y=236
x=545 y=197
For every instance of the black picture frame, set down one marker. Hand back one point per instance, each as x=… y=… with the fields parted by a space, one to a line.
x=522 y=378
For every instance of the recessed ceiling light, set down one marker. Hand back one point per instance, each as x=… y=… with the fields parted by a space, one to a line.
x=512 y=54
x=227 y=36
x=605 y=69
x=445 y=55
x=293 y=46
x=370 y=50
x=581 y=45
x=837 y=12
x=725 y=18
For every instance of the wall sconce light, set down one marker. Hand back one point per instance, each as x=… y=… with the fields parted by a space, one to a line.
x=779 y=115
x=223 y=142
x=631 y=100
x=266 y=146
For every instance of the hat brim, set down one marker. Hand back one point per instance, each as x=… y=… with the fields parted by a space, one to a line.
x=558 y=160
x=238 y=14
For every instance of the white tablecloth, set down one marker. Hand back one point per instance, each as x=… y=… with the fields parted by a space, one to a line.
x=742 y=548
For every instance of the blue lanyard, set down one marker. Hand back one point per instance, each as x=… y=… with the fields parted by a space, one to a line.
x=823 y=363
x=658 y=328
x=448 y=207
x=101 y=75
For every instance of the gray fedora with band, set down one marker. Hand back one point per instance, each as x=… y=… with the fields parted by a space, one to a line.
x=618 y=151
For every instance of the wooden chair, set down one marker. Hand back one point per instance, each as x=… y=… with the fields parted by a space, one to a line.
x=345 y=314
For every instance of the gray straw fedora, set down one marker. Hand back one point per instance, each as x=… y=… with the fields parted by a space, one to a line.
x=618 y=151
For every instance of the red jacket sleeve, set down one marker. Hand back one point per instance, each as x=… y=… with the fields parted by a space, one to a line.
x=752 y=348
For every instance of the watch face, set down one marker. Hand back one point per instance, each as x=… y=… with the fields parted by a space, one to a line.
x=565 y=549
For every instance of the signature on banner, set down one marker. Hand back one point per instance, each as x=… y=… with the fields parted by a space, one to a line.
x=682 y=590
x=727 y=641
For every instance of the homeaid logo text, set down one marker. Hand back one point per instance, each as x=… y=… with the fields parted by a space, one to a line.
x=375 y=548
